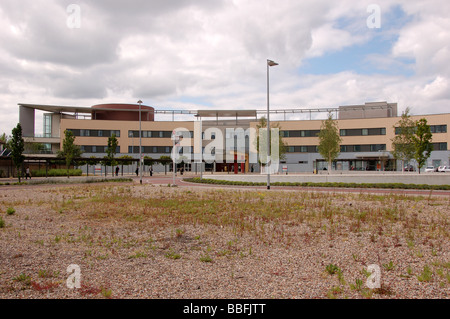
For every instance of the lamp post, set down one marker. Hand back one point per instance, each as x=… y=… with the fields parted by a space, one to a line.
x=140 y=144
x=269 y=64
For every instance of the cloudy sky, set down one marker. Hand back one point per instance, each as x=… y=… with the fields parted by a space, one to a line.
x=200 y=54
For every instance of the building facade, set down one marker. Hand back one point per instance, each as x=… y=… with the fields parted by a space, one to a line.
x=366 y=131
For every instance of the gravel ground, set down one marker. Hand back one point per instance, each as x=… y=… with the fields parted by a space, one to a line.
x=133 y=241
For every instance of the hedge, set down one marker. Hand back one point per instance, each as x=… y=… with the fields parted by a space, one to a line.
x=311 y=184
x=56 y=172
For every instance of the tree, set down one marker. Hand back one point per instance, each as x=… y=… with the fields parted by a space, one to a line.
x=69 y=151
x=422 y=142
x=165 y=160
x=17 y=146
x=111 y=150
x=403 y=144
x=329 y=140
x=282 y=147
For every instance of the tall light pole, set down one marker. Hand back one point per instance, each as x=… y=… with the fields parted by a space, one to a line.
x=269 y=64
x=140 y=143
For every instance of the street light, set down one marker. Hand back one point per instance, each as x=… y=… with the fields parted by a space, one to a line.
x=269 y=64
x=140 y=143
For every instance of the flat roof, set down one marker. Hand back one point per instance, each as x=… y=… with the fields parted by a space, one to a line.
x=58 y=108
x=226 y=113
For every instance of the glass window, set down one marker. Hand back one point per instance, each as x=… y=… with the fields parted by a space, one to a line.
x=343 y=132
x=365 y=131
x=383 y=131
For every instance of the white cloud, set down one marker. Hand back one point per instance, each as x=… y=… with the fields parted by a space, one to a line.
x=214 y=52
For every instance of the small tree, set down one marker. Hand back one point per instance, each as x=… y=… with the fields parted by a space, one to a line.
x=69 y=151
x=329 y=140
x=403 y=144
x=422 y=142
x=17 y=145
x=111 y=150
x=165 y=160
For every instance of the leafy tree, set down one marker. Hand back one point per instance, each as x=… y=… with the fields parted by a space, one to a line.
x=17 y=146
x=403 y=144
x=422 y=142
x=165 y=160
x=111 y=150
x=126 y=160
x=69 y=151
x=329 y=140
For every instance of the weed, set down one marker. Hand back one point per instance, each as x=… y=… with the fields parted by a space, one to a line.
x=358 y=285
x=106 y=292
x=25 y=279
x=332 y=269
x=206 y=258
x=426 y=274
x=10 y=211
x=2 y=222
x=389 y=266
x=138 y=255
x=172 y=255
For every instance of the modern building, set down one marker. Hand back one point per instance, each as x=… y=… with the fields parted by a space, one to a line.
x=366 y=132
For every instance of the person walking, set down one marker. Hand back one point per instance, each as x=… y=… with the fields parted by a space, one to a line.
x=151 y=171
x=137 y=171
x=27 y=173
x=117 y=171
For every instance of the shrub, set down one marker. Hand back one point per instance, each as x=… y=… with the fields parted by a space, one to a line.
x=10 y=211
x=56 y=172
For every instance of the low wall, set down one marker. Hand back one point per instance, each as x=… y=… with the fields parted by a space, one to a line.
x=404 y=178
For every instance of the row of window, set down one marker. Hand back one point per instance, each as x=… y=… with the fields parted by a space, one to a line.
x=96 y=149
x=433 y=129
x=439 y=146
x=344 y=148
x=290 y=149
x=94 y=133
x=302 y=133
x=363 y=131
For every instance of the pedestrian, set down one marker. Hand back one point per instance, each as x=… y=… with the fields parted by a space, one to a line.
x=137 y=171
x=151 y=171
x=28 y=174
x=251 y=168
x=117 y=171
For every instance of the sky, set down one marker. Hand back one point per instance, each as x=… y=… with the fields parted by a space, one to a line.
x=212 y=54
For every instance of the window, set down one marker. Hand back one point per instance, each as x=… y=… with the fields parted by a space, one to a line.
x=343 y=132
x=47 y=125
x=364 y=132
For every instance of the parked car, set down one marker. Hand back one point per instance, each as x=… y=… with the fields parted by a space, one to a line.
x=409 y=168
x=444 y=169
x=429 y=169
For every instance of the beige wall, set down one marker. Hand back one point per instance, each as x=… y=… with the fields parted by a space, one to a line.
x=125 y=126
x=388 y=123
